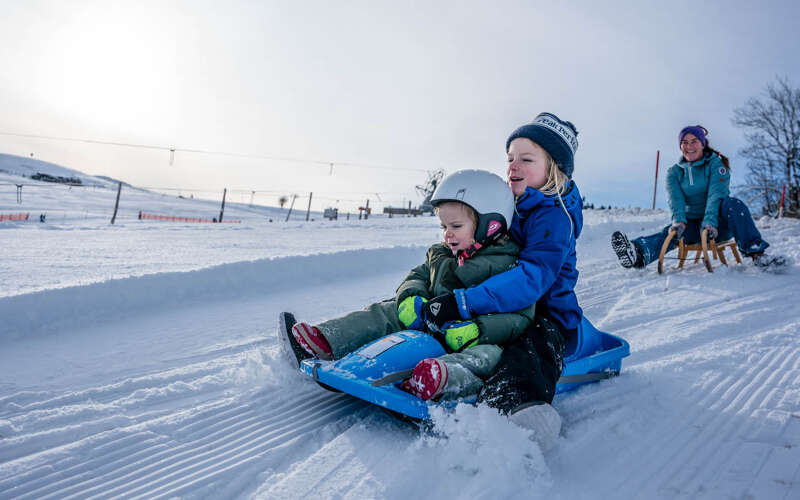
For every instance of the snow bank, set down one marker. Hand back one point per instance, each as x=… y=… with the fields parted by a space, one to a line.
x=47 y=311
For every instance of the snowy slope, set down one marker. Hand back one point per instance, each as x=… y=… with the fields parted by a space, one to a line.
x=26 y=167
x=92 y=203
x=139 y=360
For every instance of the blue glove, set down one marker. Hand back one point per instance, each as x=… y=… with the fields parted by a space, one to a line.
x=712 y=232
x=410 y=312
x=460 y=335
x=679 y=228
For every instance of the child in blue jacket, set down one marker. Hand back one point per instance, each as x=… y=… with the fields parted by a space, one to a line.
x=547 y=222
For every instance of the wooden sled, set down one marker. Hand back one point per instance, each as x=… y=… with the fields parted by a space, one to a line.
x=717 y=251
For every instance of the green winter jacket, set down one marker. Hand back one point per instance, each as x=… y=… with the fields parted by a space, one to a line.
x=696 y=189
x=440 y=273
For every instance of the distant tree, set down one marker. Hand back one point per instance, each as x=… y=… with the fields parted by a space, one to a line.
x=282 y=200
x=772 y=132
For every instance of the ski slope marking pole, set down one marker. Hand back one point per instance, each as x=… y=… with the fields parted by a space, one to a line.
x=783 y=200
x=308 y=210
x=294 y=197
x=116 y=205
x=222 y=209
x=655 y=185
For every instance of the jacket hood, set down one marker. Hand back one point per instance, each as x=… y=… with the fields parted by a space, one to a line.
x=572 y=203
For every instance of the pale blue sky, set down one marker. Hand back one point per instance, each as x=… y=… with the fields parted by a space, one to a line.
x=408 y=85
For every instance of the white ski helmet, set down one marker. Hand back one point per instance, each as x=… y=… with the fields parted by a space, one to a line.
x=487 y=194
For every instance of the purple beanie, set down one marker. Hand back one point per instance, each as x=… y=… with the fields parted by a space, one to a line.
x=695 y=130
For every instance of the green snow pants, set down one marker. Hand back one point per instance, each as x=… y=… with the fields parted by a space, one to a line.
x=353 y=330
x=466 y=369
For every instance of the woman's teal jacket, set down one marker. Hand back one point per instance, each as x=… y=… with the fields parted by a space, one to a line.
x=697 y=188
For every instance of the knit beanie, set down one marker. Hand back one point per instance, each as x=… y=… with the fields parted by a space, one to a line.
x=696 y=130
x=559 y=138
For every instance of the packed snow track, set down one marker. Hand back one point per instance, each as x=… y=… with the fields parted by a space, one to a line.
x=170 y=384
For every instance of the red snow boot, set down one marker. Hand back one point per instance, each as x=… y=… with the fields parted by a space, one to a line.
x=311 y=339
x=428 y=379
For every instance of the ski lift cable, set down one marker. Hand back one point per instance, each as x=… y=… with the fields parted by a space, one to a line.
x=210 y=152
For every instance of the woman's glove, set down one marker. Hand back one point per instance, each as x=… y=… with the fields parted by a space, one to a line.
x=440 y=310
x=679 y=228
x=410 y=312
x=712 y=232
x=460 y=335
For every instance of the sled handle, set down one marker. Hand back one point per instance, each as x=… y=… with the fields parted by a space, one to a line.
x=586 y=377
x=392 y=377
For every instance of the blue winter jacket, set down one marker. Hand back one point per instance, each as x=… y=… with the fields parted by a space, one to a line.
x=697 y=188
x=546 y=273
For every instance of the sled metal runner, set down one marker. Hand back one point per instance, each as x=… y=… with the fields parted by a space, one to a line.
x=374 y=372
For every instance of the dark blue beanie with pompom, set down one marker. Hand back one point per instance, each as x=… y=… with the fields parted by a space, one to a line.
x=559 y=138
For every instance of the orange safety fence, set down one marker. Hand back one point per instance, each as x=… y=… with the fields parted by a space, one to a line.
x=13 y=217
x=143 y=215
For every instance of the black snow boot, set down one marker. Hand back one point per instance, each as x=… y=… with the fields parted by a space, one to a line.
x=289 y=347
x=770 y=263
x=629 y=254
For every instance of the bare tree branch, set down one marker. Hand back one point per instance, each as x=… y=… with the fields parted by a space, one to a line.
x=772 y=135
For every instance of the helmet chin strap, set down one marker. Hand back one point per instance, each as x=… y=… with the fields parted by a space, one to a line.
x=466 y=253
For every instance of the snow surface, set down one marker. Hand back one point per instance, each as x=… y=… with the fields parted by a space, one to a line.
x=140 y=360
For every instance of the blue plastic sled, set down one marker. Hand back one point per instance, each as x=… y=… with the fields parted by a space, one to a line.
x=374 y=372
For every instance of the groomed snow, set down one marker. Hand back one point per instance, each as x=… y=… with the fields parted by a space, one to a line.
x=140 y=360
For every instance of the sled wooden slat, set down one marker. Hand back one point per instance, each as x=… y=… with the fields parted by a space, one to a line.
x=701 y=249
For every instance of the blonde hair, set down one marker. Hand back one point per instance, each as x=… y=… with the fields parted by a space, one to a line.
x=473 y=215
x=557 y=181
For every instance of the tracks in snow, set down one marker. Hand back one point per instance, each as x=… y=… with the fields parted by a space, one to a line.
x=73 y=446
x=720 y=414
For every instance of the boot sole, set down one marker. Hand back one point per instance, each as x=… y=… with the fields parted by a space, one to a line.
x=290 y=349
x=426 y=380
x=624 y=249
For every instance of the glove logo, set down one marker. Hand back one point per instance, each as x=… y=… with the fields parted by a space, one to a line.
x=435 y=308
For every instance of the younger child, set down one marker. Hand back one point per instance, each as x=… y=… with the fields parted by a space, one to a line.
x=474 y=208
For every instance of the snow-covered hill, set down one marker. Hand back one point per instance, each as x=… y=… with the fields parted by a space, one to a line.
x=92 y=202
x=26 y=167
x=139 y=360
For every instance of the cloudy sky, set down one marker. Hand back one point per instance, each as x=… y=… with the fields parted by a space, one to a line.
x=263 y=96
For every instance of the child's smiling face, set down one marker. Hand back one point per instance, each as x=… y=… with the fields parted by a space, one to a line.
x=458 y=228
x=527 y=165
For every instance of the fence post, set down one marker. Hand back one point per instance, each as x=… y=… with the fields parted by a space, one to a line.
x=116 y=205
x=291 y=205
x=308 y=210
x=655 y=185
x=222 y=209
